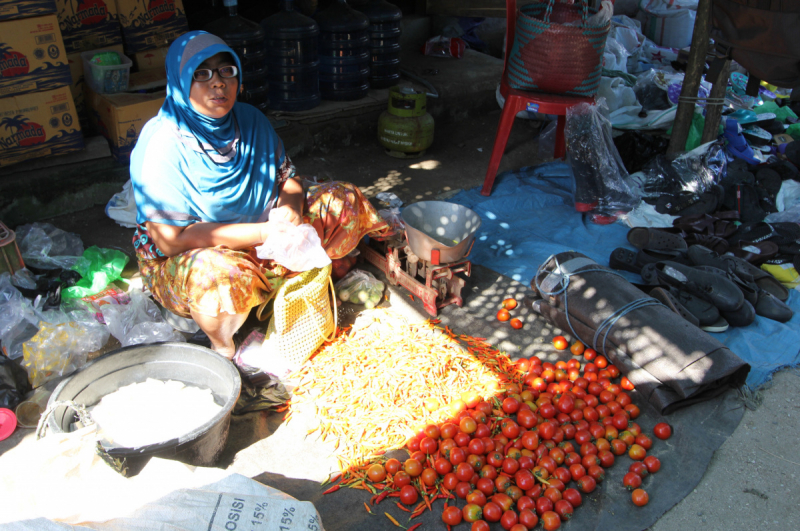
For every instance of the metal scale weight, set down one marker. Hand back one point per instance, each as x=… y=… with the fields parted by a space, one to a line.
x=439 y=236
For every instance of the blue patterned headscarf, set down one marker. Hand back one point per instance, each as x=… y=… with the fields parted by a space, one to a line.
x=187 y=167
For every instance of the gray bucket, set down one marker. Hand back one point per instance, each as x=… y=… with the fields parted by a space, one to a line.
x=185 y=362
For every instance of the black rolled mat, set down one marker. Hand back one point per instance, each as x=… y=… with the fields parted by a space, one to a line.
x=671 y=363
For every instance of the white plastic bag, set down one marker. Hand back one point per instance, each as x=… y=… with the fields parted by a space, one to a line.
x=295 y=247
x=787 y=202
x=138 y=322
x=18 y=322
x=615 y=56
x=122 y=207
x=360 y=287
x=20 y=318
x=393 y=217
x=668 y=23
x=628 y=33
x=620 y=98
x=45 y=246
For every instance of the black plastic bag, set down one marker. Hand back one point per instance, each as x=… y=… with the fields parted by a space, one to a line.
x=14 y=383
x=637 y=149
x=269 y=394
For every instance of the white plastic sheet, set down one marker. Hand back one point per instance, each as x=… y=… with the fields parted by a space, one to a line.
x=76 y=489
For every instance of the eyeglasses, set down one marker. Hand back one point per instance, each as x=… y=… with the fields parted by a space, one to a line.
x=205 y=74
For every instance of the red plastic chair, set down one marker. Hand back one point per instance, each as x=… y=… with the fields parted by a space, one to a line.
x=520 y=100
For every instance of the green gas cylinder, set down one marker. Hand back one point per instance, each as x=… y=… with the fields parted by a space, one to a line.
x=405 y=128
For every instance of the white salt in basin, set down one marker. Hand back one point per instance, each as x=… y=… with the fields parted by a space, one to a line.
x=152 y=411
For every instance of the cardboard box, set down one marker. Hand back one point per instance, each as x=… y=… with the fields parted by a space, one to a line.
x=32 y=56
x=13 y=9
x=150 y=59
x=38 y=125
x=120 y=117
x=76 y=70
x=88 y=25
x=149 y=24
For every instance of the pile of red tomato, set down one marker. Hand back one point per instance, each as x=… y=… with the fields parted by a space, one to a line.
x=528 y=455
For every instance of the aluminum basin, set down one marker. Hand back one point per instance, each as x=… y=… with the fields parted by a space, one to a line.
x=448 y=227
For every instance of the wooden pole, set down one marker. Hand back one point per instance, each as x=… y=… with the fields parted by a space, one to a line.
x=691 y=81
x=714 y=111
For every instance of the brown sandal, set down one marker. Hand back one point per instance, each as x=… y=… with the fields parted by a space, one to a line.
x=720 y=224
x=755 y=252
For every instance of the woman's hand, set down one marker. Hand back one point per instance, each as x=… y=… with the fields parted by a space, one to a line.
x=290 y=203
x=286 y=213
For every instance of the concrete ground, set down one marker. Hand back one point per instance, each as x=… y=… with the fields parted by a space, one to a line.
x=753 y=479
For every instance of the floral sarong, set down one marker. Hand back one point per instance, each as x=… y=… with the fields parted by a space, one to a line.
x=214 y=280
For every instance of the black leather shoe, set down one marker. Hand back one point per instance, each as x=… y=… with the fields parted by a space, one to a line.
x=665 y=297
x=748 y=288
x=634 y=261
x=772 y=307
x=706 y=313
x=716 y=289
x=744 y=316
x=742 y=268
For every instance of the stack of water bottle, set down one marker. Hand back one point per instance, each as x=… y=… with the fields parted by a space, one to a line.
x=291 y=62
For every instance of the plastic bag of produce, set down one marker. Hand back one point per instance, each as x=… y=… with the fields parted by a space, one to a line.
x=360 y=287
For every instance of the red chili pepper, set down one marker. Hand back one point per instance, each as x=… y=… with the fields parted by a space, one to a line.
x=332 y=489
x=380 y=497
x=403 y=507
x=415 y=526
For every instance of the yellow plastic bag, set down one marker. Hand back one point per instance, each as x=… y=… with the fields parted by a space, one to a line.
x=302 y=316
x=785 y=273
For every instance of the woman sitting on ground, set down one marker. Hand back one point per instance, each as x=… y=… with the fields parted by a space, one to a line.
x=207 y=173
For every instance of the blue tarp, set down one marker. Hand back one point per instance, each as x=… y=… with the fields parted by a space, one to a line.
x=530 y=216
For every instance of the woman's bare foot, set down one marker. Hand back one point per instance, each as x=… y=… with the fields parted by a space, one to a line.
x=220 y=330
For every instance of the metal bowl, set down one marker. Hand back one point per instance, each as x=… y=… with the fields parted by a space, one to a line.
x=447 y=227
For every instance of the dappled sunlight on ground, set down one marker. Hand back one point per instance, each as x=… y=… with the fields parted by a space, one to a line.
x=426 y=165
x=393 y=179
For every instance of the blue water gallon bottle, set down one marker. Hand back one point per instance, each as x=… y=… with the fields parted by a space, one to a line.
x=292 y=60
x=343 y=52
x=384 y=42
x=247 y=40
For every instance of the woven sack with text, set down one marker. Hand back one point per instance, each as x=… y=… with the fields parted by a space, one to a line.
x=550 y=55
x=302 y=317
